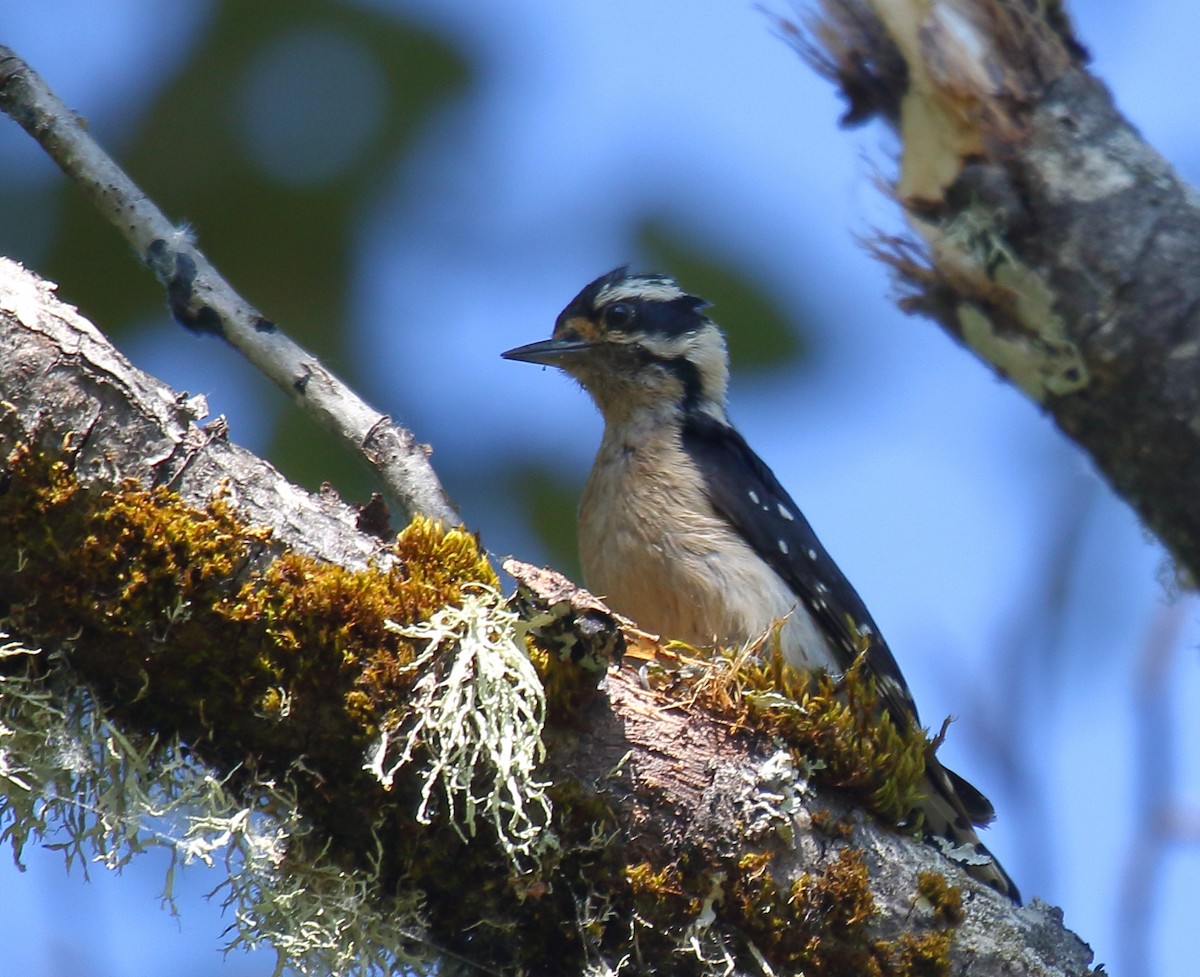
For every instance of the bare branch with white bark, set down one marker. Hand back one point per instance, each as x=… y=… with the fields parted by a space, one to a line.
x=203 y=301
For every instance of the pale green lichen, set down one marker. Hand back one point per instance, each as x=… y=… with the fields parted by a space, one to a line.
x=1030 y=342
x=70 y=779
x=476 y=716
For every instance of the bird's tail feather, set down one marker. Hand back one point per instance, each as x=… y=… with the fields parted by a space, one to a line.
x=951 y=809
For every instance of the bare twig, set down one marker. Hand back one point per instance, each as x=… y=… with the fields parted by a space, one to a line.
x=203 y=301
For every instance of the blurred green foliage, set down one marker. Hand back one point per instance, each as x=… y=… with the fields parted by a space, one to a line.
x=758 y=332
x=549 y=497
x=213 y=149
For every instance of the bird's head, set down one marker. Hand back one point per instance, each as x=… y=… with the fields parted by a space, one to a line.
x=636 y=342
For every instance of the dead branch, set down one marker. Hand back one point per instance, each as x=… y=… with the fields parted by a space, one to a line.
x=1050 y=239
x=202 y=301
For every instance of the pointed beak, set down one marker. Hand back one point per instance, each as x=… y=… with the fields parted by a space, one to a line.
x=549 y=352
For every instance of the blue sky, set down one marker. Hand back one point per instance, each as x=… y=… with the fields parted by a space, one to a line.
x=941 y=492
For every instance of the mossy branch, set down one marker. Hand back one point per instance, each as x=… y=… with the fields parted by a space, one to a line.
x=218 y=642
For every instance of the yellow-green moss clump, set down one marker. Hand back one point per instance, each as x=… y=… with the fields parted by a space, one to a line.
x=839 y=828
x=188 y=621
x=818 y=925
x=821 y=925
x=921 y=955
x=650 y=886
x=836 y=728
x=944 y=899
x=270 y=665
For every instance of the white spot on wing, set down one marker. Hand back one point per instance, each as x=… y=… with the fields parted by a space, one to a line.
x=754 y=496
x=783 y=511
x=893 y=689
x=783 y=547
x=812 y=554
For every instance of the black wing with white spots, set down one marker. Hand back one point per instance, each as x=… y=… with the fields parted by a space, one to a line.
x=746 y=493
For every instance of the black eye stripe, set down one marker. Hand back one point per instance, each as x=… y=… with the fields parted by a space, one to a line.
x=654 y=303
x=674 y=318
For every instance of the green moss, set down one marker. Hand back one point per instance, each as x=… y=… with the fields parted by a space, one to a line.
x=643 y=878
x=840 y=897
x=923 y=955
x=188 y=621
x=651 y=886
x=945 y=900
x=832 y=910
x=836 y=728
x=761 y=906
x=270 y=665
x=822 y=925
x=839 y=828
x=819 y=925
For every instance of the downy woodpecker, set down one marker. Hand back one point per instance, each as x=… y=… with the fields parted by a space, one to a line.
x=684 y=529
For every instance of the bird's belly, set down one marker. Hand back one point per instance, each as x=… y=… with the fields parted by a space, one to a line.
x=693 y=580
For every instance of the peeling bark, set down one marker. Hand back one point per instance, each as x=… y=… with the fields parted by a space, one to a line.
x=1054 y=242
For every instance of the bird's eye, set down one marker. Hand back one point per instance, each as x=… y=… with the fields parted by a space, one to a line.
x=618 y=315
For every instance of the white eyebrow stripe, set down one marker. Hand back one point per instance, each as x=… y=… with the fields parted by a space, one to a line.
x=655 y=290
